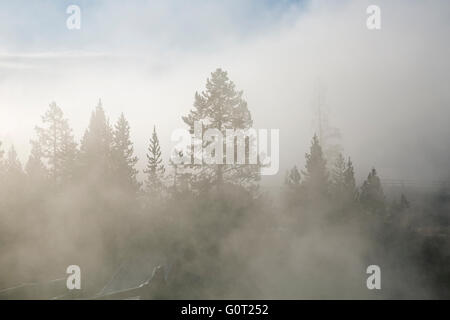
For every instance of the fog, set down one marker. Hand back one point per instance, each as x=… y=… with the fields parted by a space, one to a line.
x=386 y=91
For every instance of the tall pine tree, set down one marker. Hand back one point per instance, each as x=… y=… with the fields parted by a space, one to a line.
x=13 y=164
x=315 y=175
x=96 y=149
x=349 y=181
x=338 y=177
x=371 y=195
x=222 y=107
x=292 y=182
x=155 y=170
x=36 y=172
x=57 y=145
x=14 y=175
x=343 y=180
x=343 y=190
x=293 y=178
x=123 y=155
x=34 y=167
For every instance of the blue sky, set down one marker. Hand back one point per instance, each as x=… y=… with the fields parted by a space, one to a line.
x=27 y=26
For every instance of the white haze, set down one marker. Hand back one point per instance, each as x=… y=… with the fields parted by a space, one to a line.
x=386 y=87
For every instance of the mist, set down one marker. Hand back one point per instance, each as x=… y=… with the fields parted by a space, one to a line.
x=304 y=67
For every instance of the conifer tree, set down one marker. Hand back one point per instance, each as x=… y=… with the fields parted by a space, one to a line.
x=123 y=154
x=69 y=155
x=329 y=136
x=343 y=180
x=155 y=168
x=293 y=183
x=338 y=176
x=57 y=145
x=13 y=164
x=315 y=174
x=34 y=167
x=349 y=181
x=293 y=177
x=96 y=148
x=372 y=196
x=14 y=175
x=222 y=107
x=343 y=190
x=107 y=172
x=36 y=172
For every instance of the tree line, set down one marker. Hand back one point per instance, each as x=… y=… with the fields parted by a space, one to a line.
x=83 y=203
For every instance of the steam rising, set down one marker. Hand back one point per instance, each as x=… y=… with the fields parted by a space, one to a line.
x=109 y=200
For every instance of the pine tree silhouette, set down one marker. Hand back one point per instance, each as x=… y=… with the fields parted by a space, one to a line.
x=293 y=177
x=222 y=107
x=338 y=176
x=371 y=195
x=349 y=181
x=155 y=168
x=123 y=155
x=96 y=149
x=57 y=145
x=34 y=167
x=13 y=164
x=315 y=174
